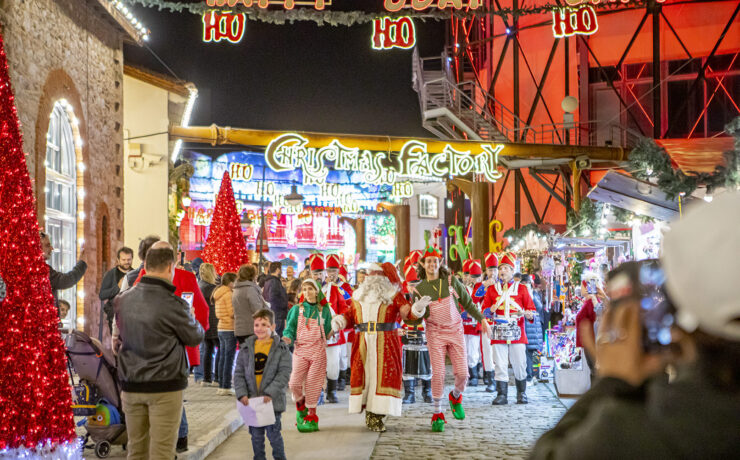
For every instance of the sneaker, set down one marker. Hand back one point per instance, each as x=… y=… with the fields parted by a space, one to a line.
x=456 y=405
x=438 y=422
x=203 y=383
x=213 y=384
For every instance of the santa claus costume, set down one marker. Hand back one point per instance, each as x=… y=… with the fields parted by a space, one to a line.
x=486 y=344
x=338 y=306
x=307 y=326
x=510 y=303
x=438 y=296
x=471 y=328
x=416 y=361
x=377 y=308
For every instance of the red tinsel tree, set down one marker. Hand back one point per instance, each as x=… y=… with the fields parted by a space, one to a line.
x=225 y=247
x=35 y=397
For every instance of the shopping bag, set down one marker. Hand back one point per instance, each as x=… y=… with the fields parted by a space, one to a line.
x=258 y=413
x=573 y=381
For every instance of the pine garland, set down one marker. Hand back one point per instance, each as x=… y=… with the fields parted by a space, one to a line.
x=649 y=161
x=351 y=18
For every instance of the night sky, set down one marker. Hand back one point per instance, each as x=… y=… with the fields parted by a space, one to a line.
x=293 y=77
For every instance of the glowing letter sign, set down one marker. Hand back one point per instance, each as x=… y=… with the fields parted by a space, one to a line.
x=420 y=5
x=287 y=4
x=288 y=152
x=570 y=21
x=388 y=33
x=223 y=26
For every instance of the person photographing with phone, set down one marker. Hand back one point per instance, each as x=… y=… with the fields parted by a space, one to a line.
x=691 y=322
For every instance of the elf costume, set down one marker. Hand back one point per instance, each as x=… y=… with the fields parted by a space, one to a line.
x=444 y=329
x=307 y=326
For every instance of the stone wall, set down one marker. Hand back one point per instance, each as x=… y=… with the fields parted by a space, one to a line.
x=71 y=49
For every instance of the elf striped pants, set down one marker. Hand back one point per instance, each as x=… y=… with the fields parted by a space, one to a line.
x=451 y=341
x=307 y=378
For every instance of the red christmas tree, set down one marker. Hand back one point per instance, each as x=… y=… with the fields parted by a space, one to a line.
x=35 y=398
x=225 y=246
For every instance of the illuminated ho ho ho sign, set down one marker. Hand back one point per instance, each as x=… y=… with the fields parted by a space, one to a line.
x=289 y=152
x=578 y=18
x=226 y=25
x=393 y=33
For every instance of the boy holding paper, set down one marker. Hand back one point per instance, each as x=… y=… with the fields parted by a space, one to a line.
x=262 y=372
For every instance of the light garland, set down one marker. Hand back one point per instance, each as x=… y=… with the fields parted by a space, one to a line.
x=185 y=122
x=351 y=18
x=141 y=30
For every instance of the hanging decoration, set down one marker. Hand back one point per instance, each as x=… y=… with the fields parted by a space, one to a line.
x=351 y=18
x=493 y=227
x=649 y=161
x=391 y=33
x=35 y=398
x=225 y=247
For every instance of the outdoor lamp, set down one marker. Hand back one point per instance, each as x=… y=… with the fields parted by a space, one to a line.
x=294 y=198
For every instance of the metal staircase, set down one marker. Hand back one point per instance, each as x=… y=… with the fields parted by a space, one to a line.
x=462 y=110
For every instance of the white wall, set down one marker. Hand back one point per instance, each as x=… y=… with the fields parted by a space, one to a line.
x=145 y=184
x=419 y=225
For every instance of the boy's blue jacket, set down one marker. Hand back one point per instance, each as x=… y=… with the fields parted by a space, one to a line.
x=274 y=378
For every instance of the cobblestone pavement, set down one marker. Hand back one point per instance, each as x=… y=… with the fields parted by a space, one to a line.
x=205 y=411
x=490 y=432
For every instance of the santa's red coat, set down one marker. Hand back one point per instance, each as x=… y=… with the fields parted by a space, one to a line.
x=185 y=281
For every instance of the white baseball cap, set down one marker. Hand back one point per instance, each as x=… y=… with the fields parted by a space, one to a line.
x=701 y=262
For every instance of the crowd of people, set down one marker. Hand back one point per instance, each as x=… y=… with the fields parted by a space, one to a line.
x=260 y=337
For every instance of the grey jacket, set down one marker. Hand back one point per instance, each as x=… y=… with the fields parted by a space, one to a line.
x=247 y=300
x=155 y=326
x=275 y=376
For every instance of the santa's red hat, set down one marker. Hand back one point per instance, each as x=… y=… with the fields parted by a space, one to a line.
x=316 y=262
x=332 y=261
x=466 y=265
x=508 y=258
x=475 y=268
x=410 y=274
x=491 y=260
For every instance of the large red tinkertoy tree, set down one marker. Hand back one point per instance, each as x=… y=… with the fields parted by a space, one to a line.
x=35 y=399
x=225 y=246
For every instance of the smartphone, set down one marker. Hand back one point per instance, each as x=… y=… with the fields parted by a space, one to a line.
x=187 y=297
x=591 y=286
x=644 y=282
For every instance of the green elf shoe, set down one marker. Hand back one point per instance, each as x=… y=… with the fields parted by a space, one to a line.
x=438 y=422
x=456 y=405
x=309 y=424
x=301 y=412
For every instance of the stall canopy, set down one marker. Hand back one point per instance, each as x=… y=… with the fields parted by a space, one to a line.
x=701 y=155
x=642 y=198
x=588 y=244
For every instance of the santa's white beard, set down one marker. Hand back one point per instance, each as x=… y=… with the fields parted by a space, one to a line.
x=376 y=289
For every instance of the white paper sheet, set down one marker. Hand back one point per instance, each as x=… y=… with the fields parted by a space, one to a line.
x=258 y=413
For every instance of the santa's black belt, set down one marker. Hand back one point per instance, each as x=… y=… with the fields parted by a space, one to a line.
x=372 y=327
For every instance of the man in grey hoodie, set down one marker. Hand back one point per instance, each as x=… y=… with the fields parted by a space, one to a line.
x=247 y=300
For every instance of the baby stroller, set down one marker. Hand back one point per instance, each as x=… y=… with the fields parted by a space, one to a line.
x=97 y=392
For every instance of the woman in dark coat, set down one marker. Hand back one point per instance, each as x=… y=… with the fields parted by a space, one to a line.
x=208 y=284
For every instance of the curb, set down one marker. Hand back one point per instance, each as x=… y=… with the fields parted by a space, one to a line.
x=204 y=445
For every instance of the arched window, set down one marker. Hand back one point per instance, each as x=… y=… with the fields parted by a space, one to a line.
x=61 y=198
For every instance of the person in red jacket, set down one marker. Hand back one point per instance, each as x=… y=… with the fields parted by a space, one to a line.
x=510 y=303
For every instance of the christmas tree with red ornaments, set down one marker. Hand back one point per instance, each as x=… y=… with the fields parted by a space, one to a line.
x=225 y=247
x=35 y=397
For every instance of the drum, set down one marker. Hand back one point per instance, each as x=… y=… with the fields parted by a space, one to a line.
x=416 y=361
x=507 y=331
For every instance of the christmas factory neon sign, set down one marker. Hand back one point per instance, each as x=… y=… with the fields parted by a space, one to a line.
x=289 y=152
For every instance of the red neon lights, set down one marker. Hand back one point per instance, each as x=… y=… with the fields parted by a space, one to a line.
x=389 y=33
x=219 y=26
x=420 y=5
x=287 y=4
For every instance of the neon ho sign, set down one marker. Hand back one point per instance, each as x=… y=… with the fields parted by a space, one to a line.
x=289 y=152
x=219 y=26
x=578 y=18
x=389 y=33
